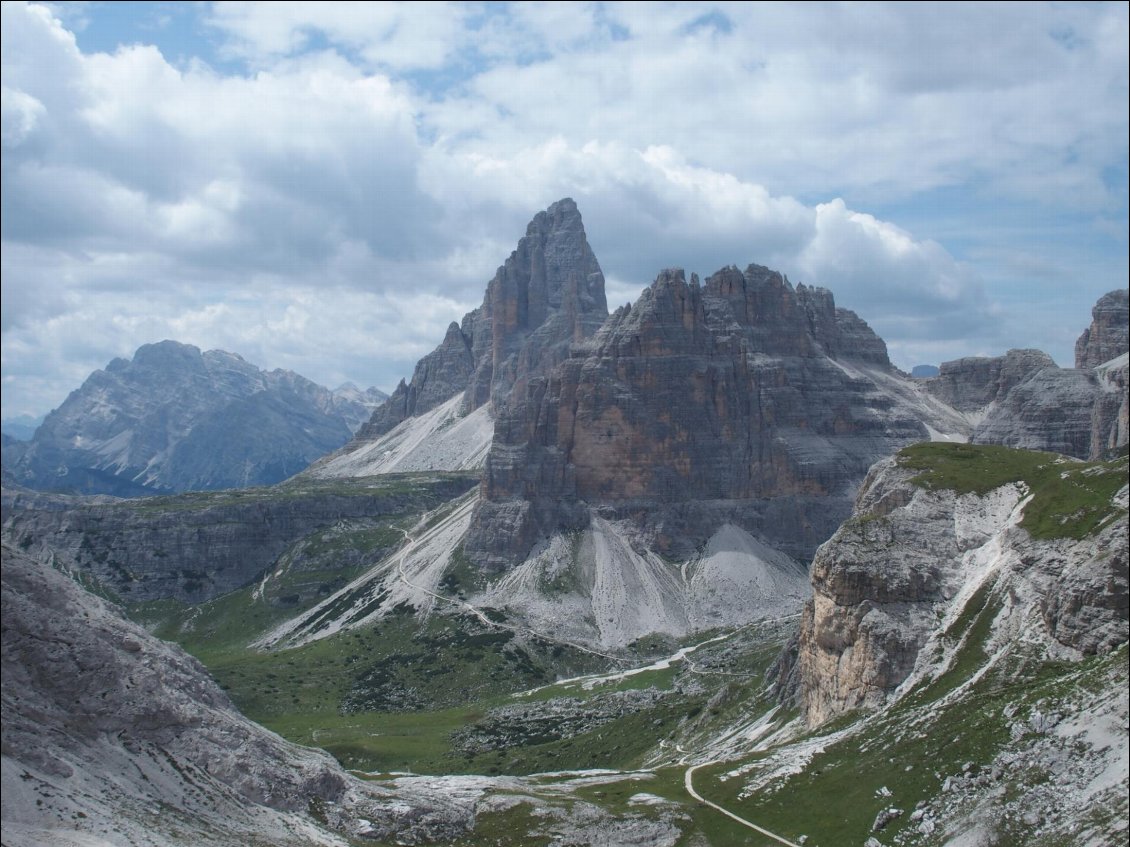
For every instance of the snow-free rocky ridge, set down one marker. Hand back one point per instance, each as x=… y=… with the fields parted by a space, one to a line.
x=113 y=737
x=175 y=419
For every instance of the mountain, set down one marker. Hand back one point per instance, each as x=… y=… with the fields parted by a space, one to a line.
x=1023 y=399
x=964 y=656
x=741 y=400
x=1108 y=336
x=1010 y=727
x=1040 y=541
x=356 y=406
x=198 y=546
x=667 y=475
x=519 y=635
x=175 y=419
x=547 y=295
x=21 y=428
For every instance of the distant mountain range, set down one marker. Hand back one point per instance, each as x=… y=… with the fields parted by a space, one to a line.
x=21 y=427
x=175 y=419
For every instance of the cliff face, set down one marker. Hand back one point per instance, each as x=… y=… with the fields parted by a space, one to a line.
x=972 y=383
x=111 y=736
x=1108 y=336
x=196 y=547
x=548 y=294
x=437 y=376
x=1023 y=399
x=741 y=398
x=914 y=562
x=1110 y=416
x=1052 y=409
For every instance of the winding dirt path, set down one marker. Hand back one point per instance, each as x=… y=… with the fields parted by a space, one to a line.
x=681 y=655
x=688 y=783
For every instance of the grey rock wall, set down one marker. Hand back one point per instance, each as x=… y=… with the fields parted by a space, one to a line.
x=727 y=392
x=973 y=383
x=193 y=548
x=548 y=294
x=892 y=572
x=1108 y=336
x=1052 y=409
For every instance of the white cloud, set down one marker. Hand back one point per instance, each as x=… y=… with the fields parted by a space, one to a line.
x=20 y=113
x=332 y=207
x=404 y=36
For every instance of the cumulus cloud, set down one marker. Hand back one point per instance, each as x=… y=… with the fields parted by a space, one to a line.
x=336 y=182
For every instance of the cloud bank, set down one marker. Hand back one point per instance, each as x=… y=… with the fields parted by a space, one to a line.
x=326 y=186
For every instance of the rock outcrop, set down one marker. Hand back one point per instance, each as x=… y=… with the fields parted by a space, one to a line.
x=1052 y=409
x=742 y=400
x=548 y=294
x=1104 y=346
x=438 y=376
x=196 y=547
x=175 y=419
x=113 y=737
x=915 y=562
x=1023 y=399
x=1110 y=416
x=1108 y=336
x=971 y=384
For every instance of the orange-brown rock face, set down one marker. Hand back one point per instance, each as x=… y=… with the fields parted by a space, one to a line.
x=734 y=397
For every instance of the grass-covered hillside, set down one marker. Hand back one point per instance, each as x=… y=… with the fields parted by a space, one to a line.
x=1070 y=499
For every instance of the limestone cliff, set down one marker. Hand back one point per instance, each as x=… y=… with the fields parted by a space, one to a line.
x=1108 y=336
x=548 y=294
x=943 y=533
x=1110 y=416
x=196 y=547
x=973 y=383
x=741 y=400
x=1052 y=409
x=440 y=374
x=1023 y=399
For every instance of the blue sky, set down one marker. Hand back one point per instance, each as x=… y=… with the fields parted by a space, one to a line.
x=323 y=187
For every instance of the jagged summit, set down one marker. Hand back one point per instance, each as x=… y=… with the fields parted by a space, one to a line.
x=1023 y=399
x=174 y=418
x=548 y=293
x=1108 y=336
x=741 y=395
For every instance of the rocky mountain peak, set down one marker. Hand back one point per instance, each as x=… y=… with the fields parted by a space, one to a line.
x=161 y=353
x=1023 y=399
x=173 y=418
x=974 y=382
x=699 y=393
x=1108 y=335
x=547 y=295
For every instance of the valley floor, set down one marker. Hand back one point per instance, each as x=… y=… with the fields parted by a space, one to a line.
x=553 y=747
